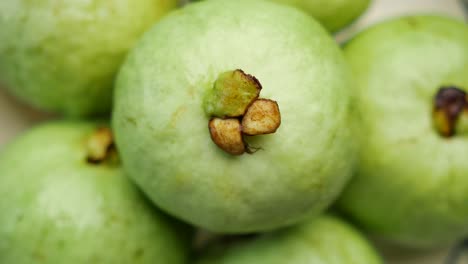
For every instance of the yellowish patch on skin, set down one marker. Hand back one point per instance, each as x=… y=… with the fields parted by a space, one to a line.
x=176 y=116
x=191 y=92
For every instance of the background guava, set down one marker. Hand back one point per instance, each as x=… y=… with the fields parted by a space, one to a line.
x=411 y=185
x=57 y=207
x=161 y=126
x=325 y=239
x=62 y=56
x=333 y=14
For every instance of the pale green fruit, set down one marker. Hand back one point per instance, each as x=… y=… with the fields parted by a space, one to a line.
x=323 y=240
x=412 y=183
x=58 y=208
x=162 y=129
x=62 y=56
x=333 y=14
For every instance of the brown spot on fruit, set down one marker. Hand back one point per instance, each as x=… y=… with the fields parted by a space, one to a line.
x=131 y=120
x=449 y=104
x=262 y=117
x=138 y=254
x=227 y=135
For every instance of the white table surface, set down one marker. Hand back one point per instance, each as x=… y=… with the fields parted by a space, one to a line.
x=16 y=117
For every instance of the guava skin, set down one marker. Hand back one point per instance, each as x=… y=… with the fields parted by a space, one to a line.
x=62 y=56
x=162 y=131
x=326 y=239
x=333 y=14
x=57 y=208
x=411 y=185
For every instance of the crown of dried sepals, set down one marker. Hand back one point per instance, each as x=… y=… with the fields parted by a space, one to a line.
x=450 y=114
x=235 y=110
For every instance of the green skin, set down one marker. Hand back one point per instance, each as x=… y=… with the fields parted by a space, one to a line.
x=62 y=56
x=57 y=208
x=333 y=14
x=162 y=130
x=323 y=240
x=411 y=186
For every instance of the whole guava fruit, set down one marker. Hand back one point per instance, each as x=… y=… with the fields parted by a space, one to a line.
x=62 y=56
x=333 y=14
x=411 y=185
x=60 y=204
x=183 y=92
x=325 y=239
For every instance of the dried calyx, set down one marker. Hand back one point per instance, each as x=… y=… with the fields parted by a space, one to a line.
x=100 y=147
x=450 y=113
x=232 y=93
x=227 y=134
x=235 y=110
x=262 y=117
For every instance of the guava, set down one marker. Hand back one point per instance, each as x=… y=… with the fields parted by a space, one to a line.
x=235 y=116
x=411 y=184
x=325 y=239
x=66 y=200
x=334 y=15
x=62 y=56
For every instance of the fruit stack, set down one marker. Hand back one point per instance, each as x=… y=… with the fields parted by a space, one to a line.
x=231 y=132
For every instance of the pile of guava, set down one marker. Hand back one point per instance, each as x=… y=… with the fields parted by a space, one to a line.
x=231 y=132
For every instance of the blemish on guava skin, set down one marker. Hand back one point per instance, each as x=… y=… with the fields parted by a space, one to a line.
x=176 y=116
x=191 y=92
x=37 y=255
x=412 y=22
x=138 y=254
x=131 y=120
x=61 y=244
x=19 y=218
x=112 y=219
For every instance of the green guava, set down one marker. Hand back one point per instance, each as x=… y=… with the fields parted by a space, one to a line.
x=411 y=185
x=161 y=116
x=325 y=239
x=333 y=14
x=62 y=56
x=61 y=205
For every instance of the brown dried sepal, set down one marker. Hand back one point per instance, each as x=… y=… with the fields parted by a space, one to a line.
x=100 y=145
x=227 y=135
x=262 y=117
x=449 y=105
